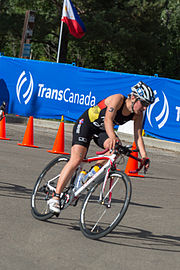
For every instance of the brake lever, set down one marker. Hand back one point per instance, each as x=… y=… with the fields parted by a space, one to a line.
x=146 y=162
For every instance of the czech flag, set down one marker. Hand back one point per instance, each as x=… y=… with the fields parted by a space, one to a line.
x=72 y=19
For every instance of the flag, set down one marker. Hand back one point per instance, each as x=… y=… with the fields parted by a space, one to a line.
x=72 y=19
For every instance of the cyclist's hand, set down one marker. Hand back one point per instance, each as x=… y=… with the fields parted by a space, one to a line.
x=112 y=142
x=146 y=163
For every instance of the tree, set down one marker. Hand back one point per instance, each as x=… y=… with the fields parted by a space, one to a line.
x=134 y=36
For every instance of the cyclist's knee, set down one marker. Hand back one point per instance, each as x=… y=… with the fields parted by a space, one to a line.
x=78 y=153
x=74 y=162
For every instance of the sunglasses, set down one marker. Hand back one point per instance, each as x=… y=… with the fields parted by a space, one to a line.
x=144 y=103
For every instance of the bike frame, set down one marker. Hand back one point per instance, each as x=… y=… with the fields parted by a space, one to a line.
x=106 y=168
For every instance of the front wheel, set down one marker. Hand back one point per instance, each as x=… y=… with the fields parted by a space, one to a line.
x=102 y=210
x=45 y=187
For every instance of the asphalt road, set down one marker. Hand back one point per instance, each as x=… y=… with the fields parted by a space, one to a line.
x=147 y=238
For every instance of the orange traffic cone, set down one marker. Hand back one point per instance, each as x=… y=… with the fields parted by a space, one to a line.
x=132 y=164
x=3 y=129
x=58 y=147
x=28 y=136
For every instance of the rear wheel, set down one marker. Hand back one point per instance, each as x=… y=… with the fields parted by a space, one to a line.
x=45 y=187
x=102 y=211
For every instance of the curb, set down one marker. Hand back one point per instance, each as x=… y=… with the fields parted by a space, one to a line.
x=151 y=142
x=11 y=118
x=52 y=124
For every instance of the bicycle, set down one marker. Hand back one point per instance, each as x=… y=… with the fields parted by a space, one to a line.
x=108 y=192
x=2 y=110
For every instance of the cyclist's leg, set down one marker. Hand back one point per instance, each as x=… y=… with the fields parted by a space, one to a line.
x=102 y=140
x=81 y=139
x=78 y=152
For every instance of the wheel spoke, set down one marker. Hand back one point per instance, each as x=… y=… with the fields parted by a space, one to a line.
x=98 y=220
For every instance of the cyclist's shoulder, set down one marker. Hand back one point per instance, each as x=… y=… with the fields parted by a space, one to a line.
x=116 y=99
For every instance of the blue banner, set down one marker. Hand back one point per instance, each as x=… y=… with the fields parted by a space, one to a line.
x=50 y=90
x=163 y=116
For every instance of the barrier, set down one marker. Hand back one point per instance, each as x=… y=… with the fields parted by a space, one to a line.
x=3 y=129
x=35 y=88
x=28 y=139
x=132 y=164
x=58 y=147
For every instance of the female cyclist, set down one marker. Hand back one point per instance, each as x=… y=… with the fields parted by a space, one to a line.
x=98 y=123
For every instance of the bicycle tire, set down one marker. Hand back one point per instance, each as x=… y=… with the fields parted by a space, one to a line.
x=94 y=225
x=41 y=193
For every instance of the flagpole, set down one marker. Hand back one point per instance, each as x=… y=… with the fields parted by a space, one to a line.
x=60 y=36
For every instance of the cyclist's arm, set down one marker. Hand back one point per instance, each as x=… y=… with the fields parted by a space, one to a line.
x=138 y=135
x=113 y=104
x=139 y=140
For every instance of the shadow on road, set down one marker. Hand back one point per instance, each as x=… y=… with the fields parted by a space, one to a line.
x=143 y=239
x=122 y=235
x=13 y=190
x=129 y=237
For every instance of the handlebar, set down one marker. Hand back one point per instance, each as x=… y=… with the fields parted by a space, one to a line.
x=125 y=150
x=119 y=149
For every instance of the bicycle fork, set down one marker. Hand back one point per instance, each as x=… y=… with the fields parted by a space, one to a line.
x=108 y=196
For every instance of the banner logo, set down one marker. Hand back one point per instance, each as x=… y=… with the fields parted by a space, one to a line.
x=23 y=86
x=162 y=118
